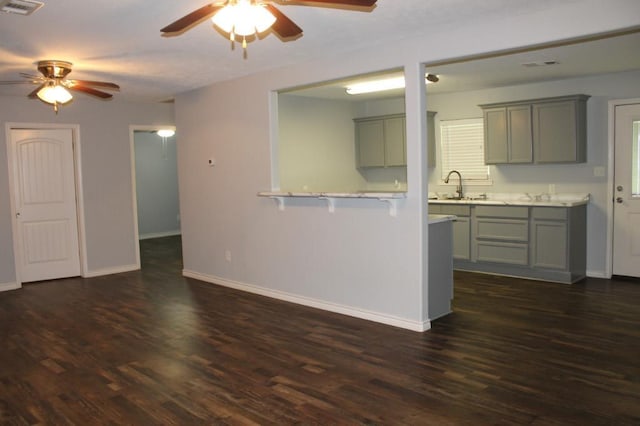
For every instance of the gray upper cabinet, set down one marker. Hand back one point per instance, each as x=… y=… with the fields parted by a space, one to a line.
x=560 y=130
x=549 y=130
x=507 y=134
x=394 y=143
x=370 y=143
x=380 y=141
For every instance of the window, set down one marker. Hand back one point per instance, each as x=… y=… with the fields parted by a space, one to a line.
x=462 y=148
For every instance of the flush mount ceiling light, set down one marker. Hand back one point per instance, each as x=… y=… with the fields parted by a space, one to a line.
x=166 y=133
x=247 y=18
x=384 y=84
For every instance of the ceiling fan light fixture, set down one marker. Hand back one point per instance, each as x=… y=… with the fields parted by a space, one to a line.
x=244 y=18
x=54 y=94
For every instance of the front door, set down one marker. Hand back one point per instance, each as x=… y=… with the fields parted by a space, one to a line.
x=45 y=202
x=626 y=217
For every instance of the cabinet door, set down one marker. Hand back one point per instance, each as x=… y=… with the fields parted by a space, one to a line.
x=554 y=132
x=394 y=141
x=520 y=139
x=370 y=138
x=550 y=244
x=495 y=136
x=461 y=238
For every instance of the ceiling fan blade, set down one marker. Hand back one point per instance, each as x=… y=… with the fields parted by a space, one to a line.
x=283 y=26
x=18 y=82
x=93 y=92
x=361 y=3
x=88 y=83
x=35 y=91
x=194 y=17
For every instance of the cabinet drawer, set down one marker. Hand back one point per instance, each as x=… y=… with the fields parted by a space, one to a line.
x=498 y=252
x=502 y=229
x=549 y=213
x=503 y=211
x=456 y=210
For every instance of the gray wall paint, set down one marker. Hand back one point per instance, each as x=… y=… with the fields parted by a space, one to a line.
x=106 y=172
x=316 y=144
x=359 y=256
x=156 y=185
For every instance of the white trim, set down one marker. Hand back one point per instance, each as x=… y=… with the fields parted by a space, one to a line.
x=134 y=194
x=598 y=274
x=159 y=235
x=311 y=302
x=77 y=164
x=610 y=179
x=110 y=271
x=9 y=286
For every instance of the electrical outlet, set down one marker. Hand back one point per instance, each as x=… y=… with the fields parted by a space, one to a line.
x=227 y=255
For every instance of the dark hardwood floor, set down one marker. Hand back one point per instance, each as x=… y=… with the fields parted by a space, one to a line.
x=151 y=347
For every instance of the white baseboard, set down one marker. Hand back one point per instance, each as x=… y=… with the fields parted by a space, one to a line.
x=9 y=286
x=109 y=271
x=598 y=274
x=159 y=234
x=314 y=303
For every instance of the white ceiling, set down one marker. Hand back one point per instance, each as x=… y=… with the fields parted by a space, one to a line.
x=120 y=41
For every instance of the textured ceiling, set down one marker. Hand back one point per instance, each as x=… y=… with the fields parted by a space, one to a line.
x=120 y=40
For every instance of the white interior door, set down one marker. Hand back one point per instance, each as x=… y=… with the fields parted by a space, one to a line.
x=626 y=217
x=45 y=202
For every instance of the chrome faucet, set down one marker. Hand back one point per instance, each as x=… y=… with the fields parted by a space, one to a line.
x=459 y=187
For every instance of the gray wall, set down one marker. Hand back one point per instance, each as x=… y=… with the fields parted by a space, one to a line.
x=156 y=185
x=106 y=173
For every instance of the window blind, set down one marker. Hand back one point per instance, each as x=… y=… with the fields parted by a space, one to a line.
x=462 y=148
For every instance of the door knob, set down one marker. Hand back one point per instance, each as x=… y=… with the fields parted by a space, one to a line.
x=619 y=200
x=18 y=214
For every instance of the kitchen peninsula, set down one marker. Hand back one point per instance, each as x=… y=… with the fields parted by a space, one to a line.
x=537 y=236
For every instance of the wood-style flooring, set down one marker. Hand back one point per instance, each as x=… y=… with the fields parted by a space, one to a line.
x=153 y=348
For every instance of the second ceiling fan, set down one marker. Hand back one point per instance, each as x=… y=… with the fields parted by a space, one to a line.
x=246 y=18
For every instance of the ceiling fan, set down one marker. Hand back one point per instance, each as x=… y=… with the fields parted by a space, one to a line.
x=53 y=86
x=246 y=18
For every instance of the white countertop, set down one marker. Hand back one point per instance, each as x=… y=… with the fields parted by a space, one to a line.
x=359 y=194
x=515 y=199
x=438 y=218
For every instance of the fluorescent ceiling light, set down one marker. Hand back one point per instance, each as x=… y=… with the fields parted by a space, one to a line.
x=384 y=84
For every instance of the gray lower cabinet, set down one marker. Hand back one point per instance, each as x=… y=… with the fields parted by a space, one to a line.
x=547 y=130
x=546 y=243
x=461 y=228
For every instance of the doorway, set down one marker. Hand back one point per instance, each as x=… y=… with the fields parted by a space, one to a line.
x=626 y=197
x=43 y=161
x=154 y=163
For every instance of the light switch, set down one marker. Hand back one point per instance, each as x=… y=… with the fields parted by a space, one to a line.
x=598 y=171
